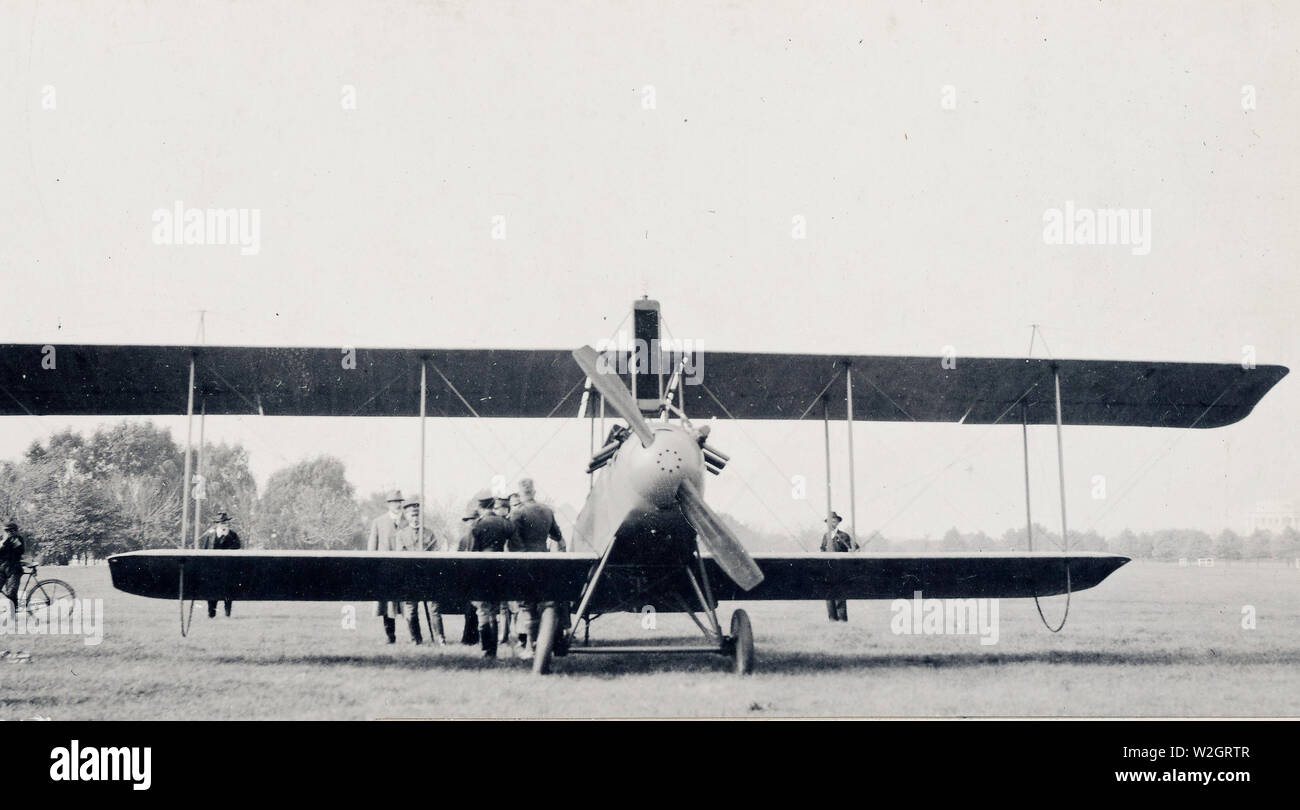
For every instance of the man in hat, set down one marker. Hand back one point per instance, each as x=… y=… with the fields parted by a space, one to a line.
x=383 y=536
x=415 y=536
x=501 y=507
x=834 y=540
x=505 y=610
x=11 y=563
x=466 y=543
x=537 y=531
x=490 y=533
x=223 y=538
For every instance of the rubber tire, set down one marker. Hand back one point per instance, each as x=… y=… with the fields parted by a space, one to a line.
x=742 y=643
x=55 y=590
x=545 y=643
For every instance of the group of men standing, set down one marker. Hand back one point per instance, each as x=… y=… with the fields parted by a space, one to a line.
x=491 y=524
x=402 y=529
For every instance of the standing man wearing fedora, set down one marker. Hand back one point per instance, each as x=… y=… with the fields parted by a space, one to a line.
x=384 y=536
x=836 y=541
x=224 y=538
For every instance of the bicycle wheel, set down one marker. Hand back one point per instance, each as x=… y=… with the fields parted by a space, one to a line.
x=55 y=595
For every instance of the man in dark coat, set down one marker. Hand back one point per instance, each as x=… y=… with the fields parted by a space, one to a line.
x=223 y=538
x=466 y=543
x=11 y=563
x=537 y=531
x=491 y=533
x=836 y=541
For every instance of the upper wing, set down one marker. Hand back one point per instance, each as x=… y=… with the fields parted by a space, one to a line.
x=148 y=380
x=351 y=575
x=814 y=575
x=979 y=390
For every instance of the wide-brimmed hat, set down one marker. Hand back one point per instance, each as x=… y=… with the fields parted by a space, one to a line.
x=414 y=500
x=394 y=495
x=835 y=516
x=471 y=510
x=10 y=525
x=221 y=517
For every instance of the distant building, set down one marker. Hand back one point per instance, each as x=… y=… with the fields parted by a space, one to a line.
x=1272 y=516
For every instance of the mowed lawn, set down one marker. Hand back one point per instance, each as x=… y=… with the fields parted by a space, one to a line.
x=1154 y=639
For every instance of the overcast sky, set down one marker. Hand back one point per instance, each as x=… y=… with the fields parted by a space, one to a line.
x=667 y=149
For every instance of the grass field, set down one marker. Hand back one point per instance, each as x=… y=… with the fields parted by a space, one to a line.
x=1154 y=639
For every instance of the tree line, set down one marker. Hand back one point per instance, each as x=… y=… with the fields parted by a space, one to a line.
x=79 y=497
x=1165 y=544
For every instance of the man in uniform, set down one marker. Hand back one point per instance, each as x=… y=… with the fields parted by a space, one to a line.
x=505 y=610
x=11 y=563
x=383 y=536
x=836 y=541
x=415 y=536
x=224 y=538
x=490 y=533
x=537 y=531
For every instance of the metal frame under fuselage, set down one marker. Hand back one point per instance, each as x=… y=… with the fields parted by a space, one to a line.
x=654 y=562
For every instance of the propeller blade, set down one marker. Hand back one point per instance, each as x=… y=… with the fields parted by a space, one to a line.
x=731 y=556
x=615 y=393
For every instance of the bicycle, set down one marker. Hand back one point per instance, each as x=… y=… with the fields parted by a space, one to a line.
x=45 y=593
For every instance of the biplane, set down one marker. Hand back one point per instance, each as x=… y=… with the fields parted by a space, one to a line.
x=653 y=540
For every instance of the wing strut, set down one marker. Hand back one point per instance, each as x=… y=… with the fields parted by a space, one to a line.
x=424 y=389
x=198 y=474
x=189 y=437
x=198 y=462
x=848 y=422
x=1060 y=457
x=826 y=432
x=1024 y=434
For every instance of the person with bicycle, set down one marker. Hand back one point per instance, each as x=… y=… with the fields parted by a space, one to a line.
x=11 y=562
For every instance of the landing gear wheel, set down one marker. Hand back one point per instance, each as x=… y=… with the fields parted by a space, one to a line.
x=742 y=643
x=546 y=628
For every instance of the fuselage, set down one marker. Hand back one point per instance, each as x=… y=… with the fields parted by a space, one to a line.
x=635 y=494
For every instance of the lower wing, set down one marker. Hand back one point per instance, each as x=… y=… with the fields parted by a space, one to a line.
x=458 y=576
x=882 y=575
x=344 y=576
